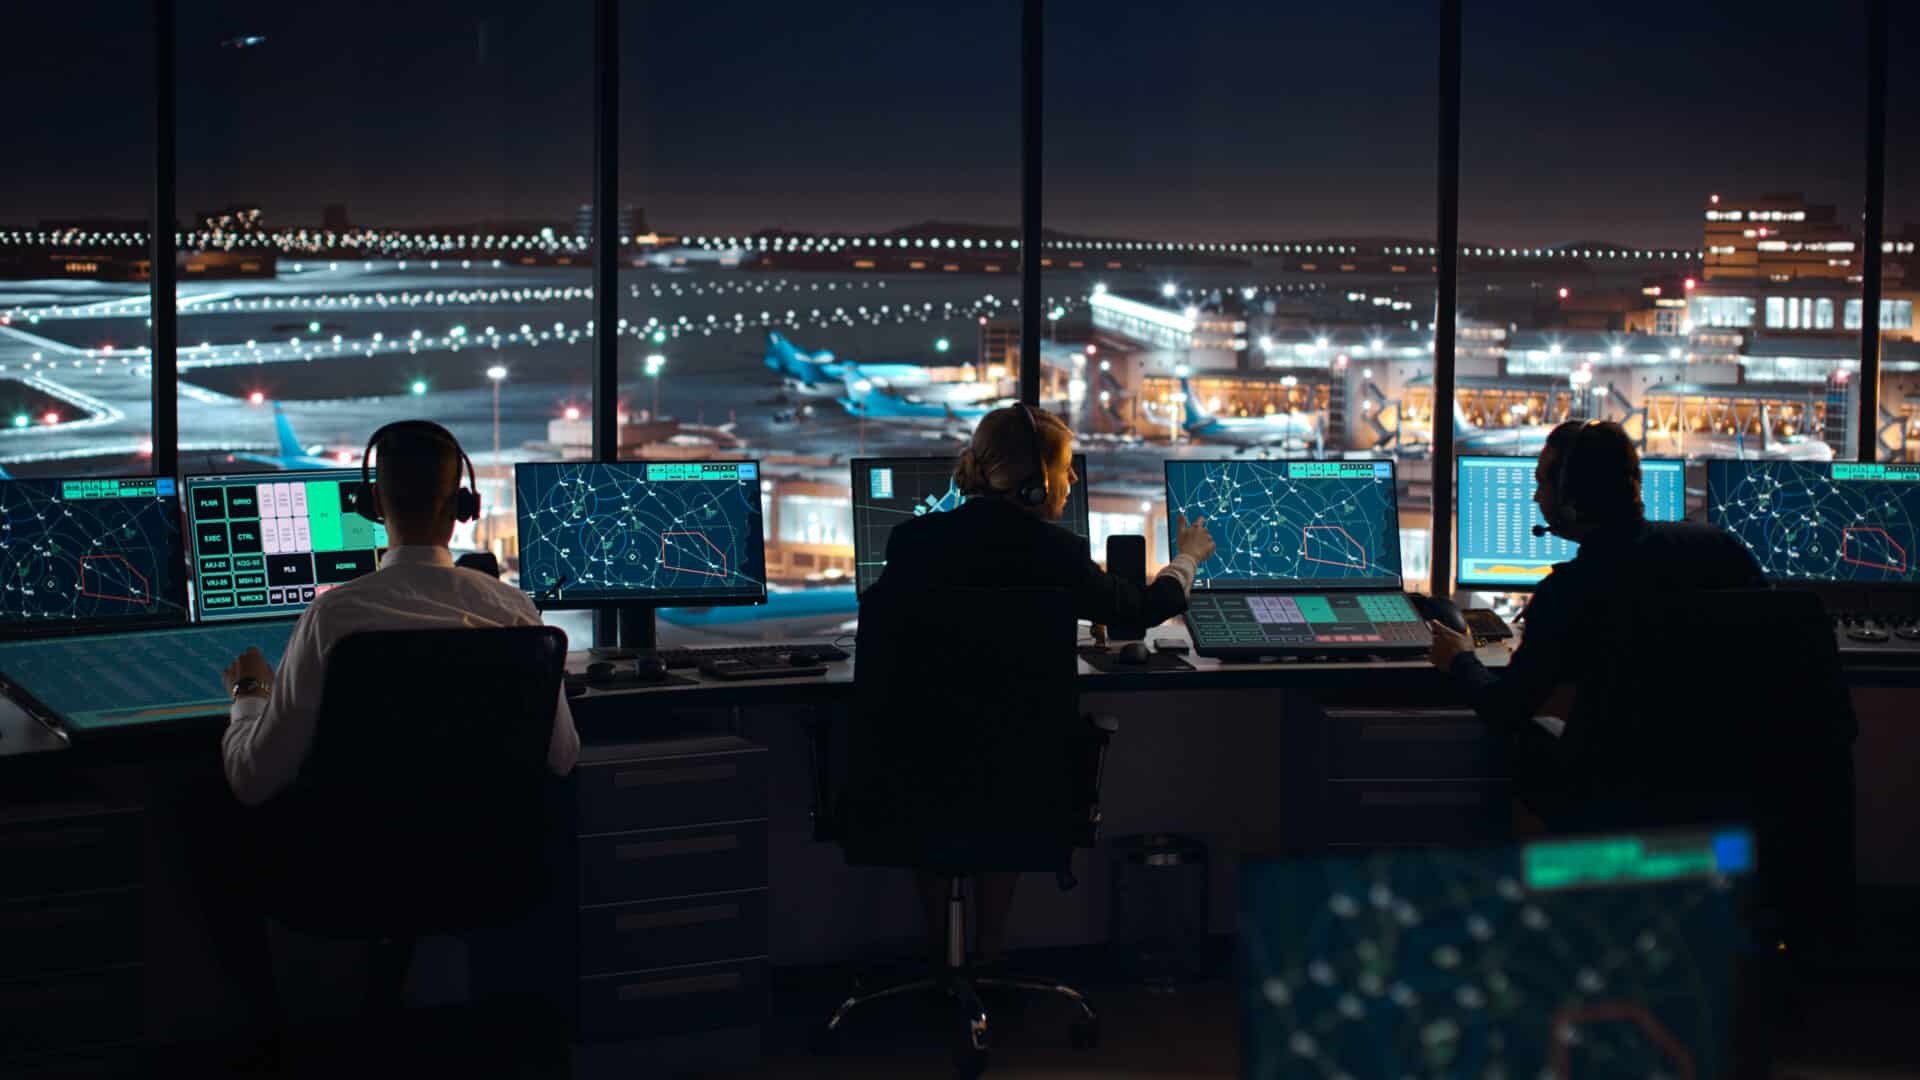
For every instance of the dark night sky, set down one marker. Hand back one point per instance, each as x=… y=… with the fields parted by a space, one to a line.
x=1224 y=121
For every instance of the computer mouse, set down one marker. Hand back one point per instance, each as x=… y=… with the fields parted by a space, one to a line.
x=1440 y=610
x=1133 y=652
x=600 y=671
x=649 y=669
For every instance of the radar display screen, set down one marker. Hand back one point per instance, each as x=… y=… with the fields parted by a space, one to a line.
x=90 y=553
x=1594 y=956
x=685 y=533
x=267 y=544
x=1497 y=516
x=156 y=676
x=888 y=491
x=1821 y=521
x=1298 y=524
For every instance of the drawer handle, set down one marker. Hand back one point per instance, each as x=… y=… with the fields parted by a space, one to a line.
x=48 y=839
x=1428 y=732
x=692 y=984
x=693 y=774
x=49 y=918
x=692 y=845
x=694 y=916
x=1422 y=798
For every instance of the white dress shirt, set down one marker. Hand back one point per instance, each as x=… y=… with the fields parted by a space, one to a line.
x=416 y=588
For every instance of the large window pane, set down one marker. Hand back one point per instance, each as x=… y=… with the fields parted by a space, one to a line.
x=845 y=178
x=1898 y=426
x=74 y=378
x=381 y=205
x=1241 y=220
x=1641 y=245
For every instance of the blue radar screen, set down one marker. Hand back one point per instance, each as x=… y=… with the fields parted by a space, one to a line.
x=1599 y=956
x=1821 y=521
x=1307 y=524
x=90 y=553
x=685 y=533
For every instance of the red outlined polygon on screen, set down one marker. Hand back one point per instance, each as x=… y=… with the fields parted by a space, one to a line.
x=1846 y=535
x=146 y=587
x=1628 y=1012
x=665 y=565
x=1306 y=542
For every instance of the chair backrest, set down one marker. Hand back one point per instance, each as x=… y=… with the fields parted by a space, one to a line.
x=965 y=740
x=425 y=802
x=1720 y=705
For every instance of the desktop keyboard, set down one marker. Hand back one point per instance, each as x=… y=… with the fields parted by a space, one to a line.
x=777 y=653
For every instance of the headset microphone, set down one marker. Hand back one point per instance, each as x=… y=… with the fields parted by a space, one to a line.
x=1541 y=530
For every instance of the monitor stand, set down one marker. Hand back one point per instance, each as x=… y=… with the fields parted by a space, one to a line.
x=636 y=634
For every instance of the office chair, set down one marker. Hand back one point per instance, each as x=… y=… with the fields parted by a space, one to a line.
x=966 y=754
x=1719 y=707
x=425 y=805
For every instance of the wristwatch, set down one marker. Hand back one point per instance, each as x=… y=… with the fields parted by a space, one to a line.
x=248 y=685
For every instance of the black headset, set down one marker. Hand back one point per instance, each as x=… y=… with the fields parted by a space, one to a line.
x=1034 y=490
x=466 y=500
x=1564 y=510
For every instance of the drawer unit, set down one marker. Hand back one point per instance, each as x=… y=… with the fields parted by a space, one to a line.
x=667 y=1001
x=70 y=849
x=1416 y=811
x=1412 y=745
x=68 y=933
x=657 y=863
x=673 y=898
x=670 y=933
x=677 y=788
x=64 y=1012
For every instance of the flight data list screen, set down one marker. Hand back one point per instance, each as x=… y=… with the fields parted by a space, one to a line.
x=1305 y=524
x=1226 y=620
x=90 y=552
x=1821 y=521
x=1497 y=516
x=267 y=545
x=888 y=491
x=649 y=532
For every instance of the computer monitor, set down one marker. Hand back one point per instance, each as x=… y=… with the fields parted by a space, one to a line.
x=90 y=554
x=1822 y=521
x=266 y=544
x=1602 y=955
x=888 y=491
x=1497 y=548
x=1290 y=524
x=643 y=533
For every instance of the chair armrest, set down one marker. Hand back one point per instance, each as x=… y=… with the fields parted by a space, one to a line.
x=1106 y=725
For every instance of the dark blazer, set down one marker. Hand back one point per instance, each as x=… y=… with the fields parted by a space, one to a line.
x=992 y=542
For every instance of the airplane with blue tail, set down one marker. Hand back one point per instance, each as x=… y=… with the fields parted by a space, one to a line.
x=291 y=456
x=819 y=374
x=1246 y=432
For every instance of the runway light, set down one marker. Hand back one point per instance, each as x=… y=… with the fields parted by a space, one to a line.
x=21 y=420
x=1689 y=284
x=313 y=328
x=256 y=398
x=1169 y=290
x=51 y=418
x=1563 y=293
x=496 y=373
x=573 y=412
x=344 y=457
x=942 y=345
x=419 y=387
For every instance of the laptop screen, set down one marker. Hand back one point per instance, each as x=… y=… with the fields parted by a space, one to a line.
x=100 y=553
x=268 y=544
x=1290 y=524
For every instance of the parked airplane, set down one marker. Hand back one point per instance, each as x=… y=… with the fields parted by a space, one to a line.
x=291 y=454
x=787 y=613
x=864 y=399
x=820 y=375
x=1246 y=432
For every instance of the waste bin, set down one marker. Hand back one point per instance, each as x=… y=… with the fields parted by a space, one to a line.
x=1158 y=904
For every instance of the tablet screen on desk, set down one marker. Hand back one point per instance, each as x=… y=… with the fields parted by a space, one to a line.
x=94 y=682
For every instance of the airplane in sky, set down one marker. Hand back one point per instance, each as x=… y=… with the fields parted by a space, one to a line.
x=1246 y=432
x=821 y=375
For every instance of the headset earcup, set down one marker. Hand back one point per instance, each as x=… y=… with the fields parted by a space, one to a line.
x=466 y=504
